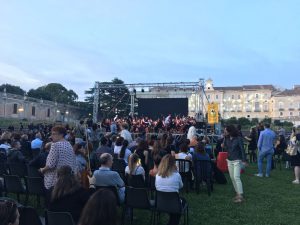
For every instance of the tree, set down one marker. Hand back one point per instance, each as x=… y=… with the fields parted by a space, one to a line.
x=39 y=93
x=12 y=89
x=54 y=92
x=243 y=121
x=231 y=120
x=112 y=100
x=254 y=121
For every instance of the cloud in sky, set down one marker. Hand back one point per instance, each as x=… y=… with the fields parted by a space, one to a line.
x=78 y=42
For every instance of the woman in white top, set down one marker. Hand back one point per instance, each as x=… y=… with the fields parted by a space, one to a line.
x=122 y=151
x=169 y=180
x=134 y=166
x=183 y=154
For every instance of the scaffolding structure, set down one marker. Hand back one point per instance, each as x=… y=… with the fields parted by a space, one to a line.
x=195 y=87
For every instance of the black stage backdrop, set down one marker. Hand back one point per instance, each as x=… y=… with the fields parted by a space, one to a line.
x=157 y=107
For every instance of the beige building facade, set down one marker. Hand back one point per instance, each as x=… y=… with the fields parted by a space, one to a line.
x=249 y=101
x=22 y=107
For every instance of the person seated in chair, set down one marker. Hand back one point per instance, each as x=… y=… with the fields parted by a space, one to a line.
x=15 y=155
x=40 y=160
x=68 y=195
x=9 y=213
x=104 y=176
x=134 y=166
x=169 y=180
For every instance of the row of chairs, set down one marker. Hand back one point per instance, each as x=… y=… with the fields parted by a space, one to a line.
x=201 y=170
x=33 y=186
x=165 y=202
x=20 y=169
x=136 y=198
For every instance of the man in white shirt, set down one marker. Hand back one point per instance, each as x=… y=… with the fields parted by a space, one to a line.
x=125 y=133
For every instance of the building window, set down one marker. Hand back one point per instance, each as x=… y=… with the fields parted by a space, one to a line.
x=291 y=113
x=239 y=96
x=257 y=107
x=232 y=96
x=15 y=108
x=266 y=96
x=248 y=107
x=281 y=114
x=208 y=96
x=266 y=107
x=217 y=97
x=256 y=96
x=48 y=112
x=33 y=111
x=280 y=105
x=239 y=108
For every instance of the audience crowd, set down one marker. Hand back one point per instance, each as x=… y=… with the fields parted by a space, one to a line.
x=86 y=169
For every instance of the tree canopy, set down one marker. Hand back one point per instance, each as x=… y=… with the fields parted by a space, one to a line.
x=54 y=92
x=12 y=89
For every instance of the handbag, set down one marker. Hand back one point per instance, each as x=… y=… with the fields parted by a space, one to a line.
x=293 y=147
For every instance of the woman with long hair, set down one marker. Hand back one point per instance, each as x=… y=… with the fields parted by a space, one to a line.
x=142 y=151
x=233 y=144
x=252 y=146
x=124 y=151
x=295 y=159
x=9 y=213
x=169 y=180
x=68 y=195
x=134 y=166
x=101 y=209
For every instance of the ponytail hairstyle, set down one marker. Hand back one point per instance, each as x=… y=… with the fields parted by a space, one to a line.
x=123 y=149
x=132 y=163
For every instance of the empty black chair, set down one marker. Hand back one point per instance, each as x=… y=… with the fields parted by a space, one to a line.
x=35 y=152
x=13 y=184
x=137 y=198
x=171 y=203
x=56 y=218
x=3 y=169
x=35 y=186
x=184 y=168
x=203 y=173
x=18 y=169
x=29 y=215
x=33 y=171
x=136 y=181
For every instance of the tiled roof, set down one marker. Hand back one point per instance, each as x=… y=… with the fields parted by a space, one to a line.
x=247 y=87
x=289 y=92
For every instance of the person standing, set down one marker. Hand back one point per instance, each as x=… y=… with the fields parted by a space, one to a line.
x=265 y=147
x=295 y=159
x=233 y=144
x=61 y=154
x=125 y=133
x=252 y=145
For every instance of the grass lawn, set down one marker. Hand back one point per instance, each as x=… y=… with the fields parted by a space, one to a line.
x=271 y=201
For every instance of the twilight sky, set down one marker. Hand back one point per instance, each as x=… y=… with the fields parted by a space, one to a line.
x=77 y=42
